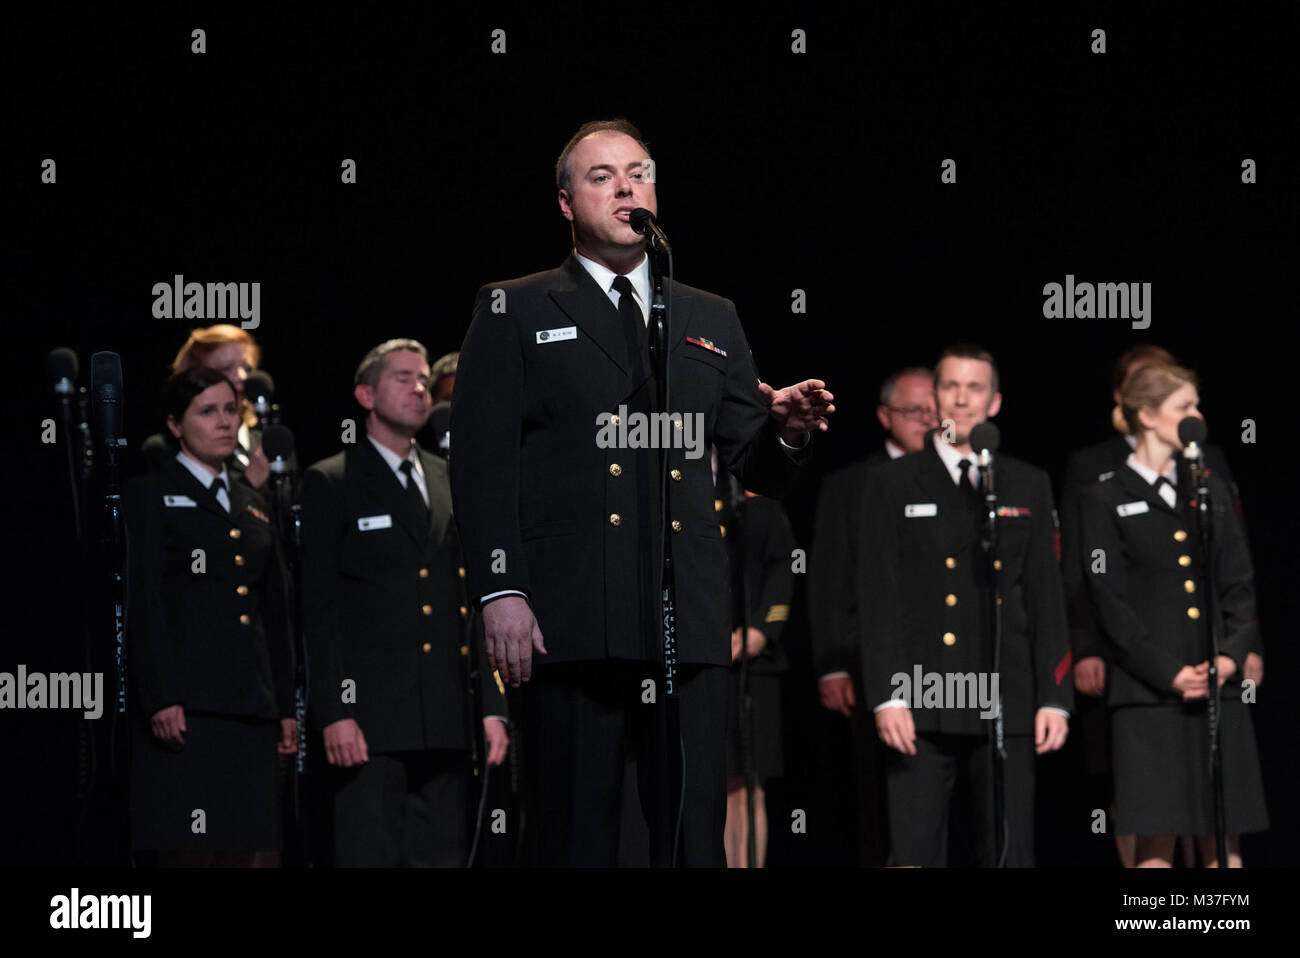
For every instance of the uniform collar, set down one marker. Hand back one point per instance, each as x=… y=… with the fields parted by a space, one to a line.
x=393 y=459
x=951 y=457
x=1149 y=475
x=894 y=450
x=201 y=472
x=639 y=278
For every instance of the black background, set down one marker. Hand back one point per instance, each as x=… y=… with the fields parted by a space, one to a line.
x=775 y=172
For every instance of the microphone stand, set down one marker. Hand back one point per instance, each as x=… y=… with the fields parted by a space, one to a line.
x=113 y=542
x=288 y=518
x=997 y=740
x=1205 y=537
x=477 y=732
x=740 y=582
x=675 y=773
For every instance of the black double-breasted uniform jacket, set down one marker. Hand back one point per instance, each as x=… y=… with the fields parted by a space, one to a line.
x=1144 y=571
x=544 y=509
x=207 y=624
x=832 y=579
x=385 y=609
x=923 y=589
x=1084 y=467
x=760 y=546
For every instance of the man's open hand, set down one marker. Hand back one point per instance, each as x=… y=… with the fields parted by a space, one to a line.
x=799 y=409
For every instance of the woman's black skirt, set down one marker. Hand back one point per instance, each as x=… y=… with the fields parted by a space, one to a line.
x=220 y=792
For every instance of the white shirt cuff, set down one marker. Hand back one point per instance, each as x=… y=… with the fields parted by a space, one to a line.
x=807 y=437
x=1054 y=708
x=496 y=595
x=891 y=704
x=833 y=675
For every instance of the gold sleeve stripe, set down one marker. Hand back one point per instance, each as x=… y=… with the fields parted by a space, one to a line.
x=778 y=613
x=500 y=685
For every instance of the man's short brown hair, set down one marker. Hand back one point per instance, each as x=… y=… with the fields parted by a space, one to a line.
x=373 y=365
x=564 y=175
x=967 y=351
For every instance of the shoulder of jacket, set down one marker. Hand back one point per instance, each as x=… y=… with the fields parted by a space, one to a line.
x=703 y=297
x=332 y=466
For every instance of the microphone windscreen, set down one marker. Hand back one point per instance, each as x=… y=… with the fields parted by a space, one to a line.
x=1191 y=429
x=259 y=383
x=63 y=364
x=106 y=371
x=639 y=218
x=277 y=442
x=985 y=436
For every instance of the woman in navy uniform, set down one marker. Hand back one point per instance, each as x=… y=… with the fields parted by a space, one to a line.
x=762 y=553
x=233 y=352
x=208 y=639
x=1146 y=580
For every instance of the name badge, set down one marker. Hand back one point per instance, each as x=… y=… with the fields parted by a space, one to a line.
x=1133 y=508
x=370 y=523
x=184 y=501
x=559 y=334
x=920 y=510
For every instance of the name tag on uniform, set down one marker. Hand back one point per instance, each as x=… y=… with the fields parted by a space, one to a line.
x=370 y=523
x=1133 y=508
x=559 y=334
x=185 y=501
x=920 y=510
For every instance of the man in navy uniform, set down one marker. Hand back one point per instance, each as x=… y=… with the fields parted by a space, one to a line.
x=562 y=535
x=384 y=610
x=923 y=596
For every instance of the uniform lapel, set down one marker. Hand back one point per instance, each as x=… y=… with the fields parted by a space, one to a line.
x=381 y=480
x=187 y=483
x=584 y=302
x=1138 y=487
x=956 y=523
x=439 y=501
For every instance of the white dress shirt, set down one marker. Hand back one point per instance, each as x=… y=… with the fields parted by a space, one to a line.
x=205 y=476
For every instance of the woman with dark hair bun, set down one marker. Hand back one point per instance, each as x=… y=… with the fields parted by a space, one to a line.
x=1146 y=578
x=234 y=353
x=211 y=664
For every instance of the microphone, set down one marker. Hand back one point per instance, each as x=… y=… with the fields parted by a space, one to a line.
x=643 y=222
x=440 y=428
x=984 y=440
x=63 y=367
x=1191 y=432
x=277 y=443
x=259 y=389
x=106 y=387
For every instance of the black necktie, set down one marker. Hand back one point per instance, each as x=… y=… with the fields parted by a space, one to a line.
x=417 y=503
x=1164 y=481
x=217 y=486
x=634 y=325
x=964 y=484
